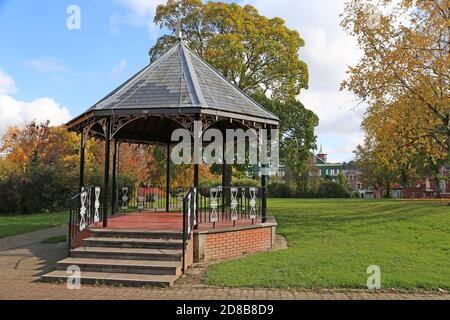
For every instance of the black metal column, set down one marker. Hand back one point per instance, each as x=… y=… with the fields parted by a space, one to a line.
x=224 y=171
x=106 y=173
x=196 y=165
x=224 y=166
x=168 y=178
x=263 y=194
x=82 y=160
x=114 y=180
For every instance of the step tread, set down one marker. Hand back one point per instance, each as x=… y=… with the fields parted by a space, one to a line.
x=130 y=277
x=136 y=231
x=121 y=262
x=133 y=240
x=137 y=251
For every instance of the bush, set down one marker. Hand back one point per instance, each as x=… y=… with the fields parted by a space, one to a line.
x=246 y=182
x=238 y=183
x=280 y=190
x=332 y=189
x=43 y=188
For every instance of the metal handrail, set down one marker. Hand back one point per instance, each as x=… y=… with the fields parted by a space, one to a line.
x=90 y=206
x=229 y=204
x=189 y=221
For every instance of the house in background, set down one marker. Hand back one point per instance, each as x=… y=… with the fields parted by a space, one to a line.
x=326 y=170
x=427 y=188
x=352 y=175
x=421 y=189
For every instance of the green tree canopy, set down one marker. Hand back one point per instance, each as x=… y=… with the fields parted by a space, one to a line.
x=254 y=52
x=259 y=55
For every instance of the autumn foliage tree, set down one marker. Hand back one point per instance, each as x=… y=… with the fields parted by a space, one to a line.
x=39 y=171
x=41 y=168
x=404 y=77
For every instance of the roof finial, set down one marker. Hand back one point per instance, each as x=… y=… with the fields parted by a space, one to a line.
x=321 y=150
x=179 y=31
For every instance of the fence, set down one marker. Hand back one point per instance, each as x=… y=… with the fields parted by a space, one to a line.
x=228 y=204
x=149 y=199
x=85 y=209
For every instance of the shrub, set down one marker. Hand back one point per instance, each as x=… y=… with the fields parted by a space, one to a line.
x=43 y=188
x=332 y=189
x=280 y=190
x=246 y=182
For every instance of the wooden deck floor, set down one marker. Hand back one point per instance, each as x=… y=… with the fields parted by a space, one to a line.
x=162 y=221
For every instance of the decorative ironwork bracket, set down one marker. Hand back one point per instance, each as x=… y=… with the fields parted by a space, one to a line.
x=252 y=202
x=214 y=204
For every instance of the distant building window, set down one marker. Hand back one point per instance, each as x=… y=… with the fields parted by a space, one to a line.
x=358 y=186
x=443 y=186
x=427 y=184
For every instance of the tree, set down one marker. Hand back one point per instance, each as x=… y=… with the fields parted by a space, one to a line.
x=40 y=170
x=257 y=54
x=51 y=145
x=397 y=130
x=375 y=170
x=252 y=51
x=404 y=70
x=297 y=137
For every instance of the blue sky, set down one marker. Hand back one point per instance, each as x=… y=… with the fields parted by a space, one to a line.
x=49 y=71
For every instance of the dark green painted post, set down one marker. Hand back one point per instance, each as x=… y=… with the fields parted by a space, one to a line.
x=106 y=173
x=168 y=179
x=263 y=194
x=114 y=180
x=82 y=160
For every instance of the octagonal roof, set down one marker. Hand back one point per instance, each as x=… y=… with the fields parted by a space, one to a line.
x=180 y=82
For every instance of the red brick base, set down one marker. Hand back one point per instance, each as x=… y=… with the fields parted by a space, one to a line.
x=233 y=242
x=189 y=253
x=78 y=240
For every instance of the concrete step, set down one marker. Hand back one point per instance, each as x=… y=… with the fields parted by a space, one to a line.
x=122 y=266
x=133 y=233
x=131 y=280
x=133 y=243
x=127 y=253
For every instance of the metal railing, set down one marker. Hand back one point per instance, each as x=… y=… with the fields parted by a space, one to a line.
x=189 y=219
x=148 y=198
x=215 y=205
x=85 y=209
x=228 y=204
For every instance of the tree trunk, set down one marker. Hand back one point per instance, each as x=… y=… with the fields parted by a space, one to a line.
x=438 y=185
x=447 y=123
x=388 y=191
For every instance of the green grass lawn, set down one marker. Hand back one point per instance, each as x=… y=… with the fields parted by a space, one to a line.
x=11 y=225
x=332 y=242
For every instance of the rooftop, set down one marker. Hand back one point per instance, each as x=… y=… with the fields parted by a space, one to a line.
x=180 y=82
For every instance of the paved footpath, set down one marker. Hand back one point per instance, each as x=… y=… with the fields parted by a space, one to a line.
x=31 y=237
x=21 y=267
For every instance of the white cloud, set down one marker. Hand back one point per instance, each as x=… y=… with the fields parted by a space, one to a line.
x=7 y=84
x=142 y=8
x=16 y=112
x=117 y=70
x=140 y=14
x=328 y=52
x=47 y=65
